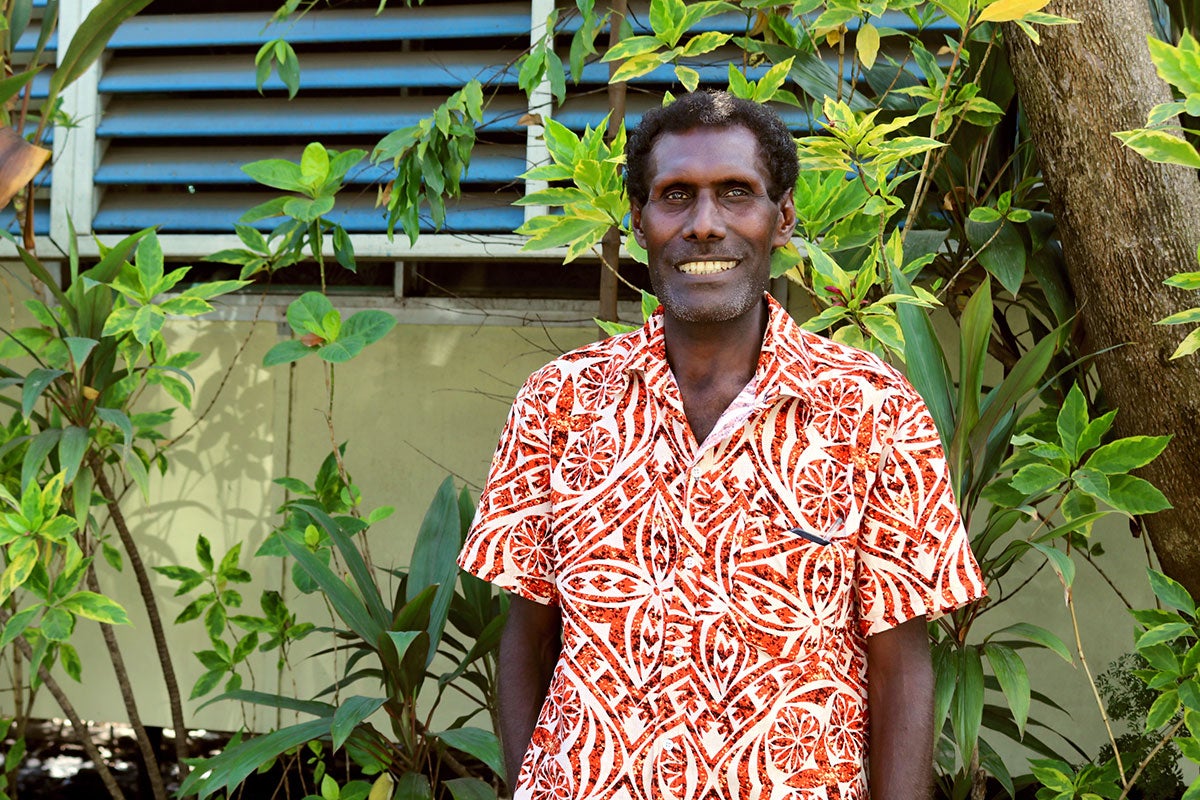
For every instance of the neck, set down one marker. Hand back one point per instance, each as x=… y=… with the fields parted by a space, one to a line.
x=705 y=353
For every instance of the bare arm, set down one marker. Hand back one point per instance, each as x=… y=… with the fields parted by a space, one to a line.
x=900 y=703
x=529 y=649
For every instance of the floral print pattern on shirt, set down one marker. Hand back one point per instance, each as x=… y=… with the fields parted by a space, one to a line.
x=716 y=601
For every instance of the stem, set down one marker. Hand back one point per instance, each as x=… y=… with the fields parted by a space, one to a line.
x=922 y=180
x=616 y=106
x=1112 y=739
x=1168 y=736
x=81 y=729
x=151 y=604
x=153 y=772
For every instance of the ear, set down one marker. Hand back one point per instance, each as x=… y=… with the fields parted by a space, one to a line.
x=787 y=220
x=635 y=222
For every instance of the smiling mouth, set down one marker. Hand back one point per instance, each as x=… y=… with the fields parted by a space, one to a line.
x=705 y=267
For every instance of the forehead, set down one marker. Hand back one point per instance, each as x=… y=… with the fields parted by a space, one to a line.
x=704 y=155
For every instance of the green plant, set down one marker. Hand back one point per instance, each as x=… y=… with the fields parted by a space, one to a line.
x=391 y=639
x=1161 y=141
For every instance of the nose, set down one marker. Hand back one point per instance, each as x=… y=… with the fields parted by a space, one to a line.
x=706 y=221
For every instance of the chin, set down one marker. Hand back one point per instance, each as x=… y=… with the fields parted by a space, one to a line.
x=710 y=313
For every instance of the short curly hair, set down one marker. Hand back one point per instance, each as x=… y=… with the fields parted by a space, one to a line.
x=713 y=109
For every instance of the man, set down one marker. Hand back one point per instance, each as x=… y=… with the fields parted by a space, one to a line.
x=723 y=535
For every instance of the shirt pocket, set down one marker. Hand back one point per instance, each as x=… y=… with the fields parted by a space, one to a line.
x=790 y=588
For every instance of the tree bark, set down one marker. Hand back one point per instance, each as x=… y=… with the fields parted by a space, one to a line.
x=1125 y=225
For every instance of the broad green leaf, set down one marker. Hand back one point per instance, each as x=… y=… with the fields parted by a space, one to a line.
x=1038 y=634
x=1135 y=496
x=16 y=625
x=36 y=382
x=236 y=762
x=470 y=789
x=924 y=360
x=1072 y=422
x=1171 y=593
x=286 y=352
x=477 y=743
x=434 y=558
x=314 y=166
x=149 y=262
x=1060 y=561
x=96 y=607
x=687 y=77
x=1189 y=694
x=313 y=707
x=80 y=348
x=89 y=41
x=966 y=711
x=276 y=173
x=350 y=715
x=39 y=447
x=1162 y=710
x=1010 y=671
x=1034 y=479
x=1179 y=66
x=370 y=326
x=1189 y=345
x=1001 y=250
x=1161 y=147
x=57 y=625
x=411 y=786
x=1161 y=634
x=1127 y=454
x=118 y=418
x=306 y=314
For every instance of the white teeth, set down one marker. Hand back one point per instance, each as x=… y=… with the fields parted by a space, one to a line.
x=706 y=267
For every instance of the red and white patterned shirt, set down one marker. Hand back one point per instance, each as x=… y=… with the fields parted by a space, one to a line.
x=716 y=597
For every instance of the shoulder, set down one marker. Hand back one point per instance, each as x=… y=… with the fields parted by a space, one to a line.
x=837 y=363
x=600 y=364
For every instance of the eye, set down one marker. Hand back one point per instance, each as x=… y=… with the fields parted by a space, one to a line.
x=675 y=195
x=737 y=191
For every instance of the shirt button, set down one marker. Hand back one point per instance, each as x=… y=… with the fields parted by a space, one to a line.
x=689 y=562
x=677 y=652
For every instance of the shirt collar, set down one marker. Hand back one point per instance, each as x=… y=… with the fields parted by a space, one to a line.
x=784 y=363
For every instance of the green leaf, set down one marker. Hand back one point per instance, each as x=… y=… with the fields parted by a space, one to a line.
x=276 y=173
x=350 y=715
x=470 y=789
x=80 y=348
x=477 y=743
x=966 y=711
x=36 y=382
x=231 y=767
x=924 y=360
x=1162 y=634
x=1189 y=694
x=1072 y=422
x=1171 y=593
x=347 y=605
x=286 y=352
x=1060 y=561
x=1162 y=710
x=96 y=607
x=89 y=42
x=370 y=326
x=16 y=625
x=1034 y=479
x=1010 y=671
x=1161 y=147
x=306 y=314
x=434 y=558
x=1127 y=454
x=1001 y=251
x=1135 y=496
x=57 y=625
x=412 y=786
x=1038 y=634
x=149 y=260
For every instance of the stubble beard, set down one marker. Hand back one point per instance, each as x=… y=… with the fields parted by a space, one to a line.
x=723 y=309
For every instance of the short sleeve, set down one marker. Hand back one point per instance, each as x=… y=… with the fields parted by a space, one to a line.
x=914 y=556
x=509 y=543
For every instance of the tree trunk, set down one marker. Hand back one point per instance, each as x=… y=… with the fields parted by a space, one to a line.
x=1125 y=224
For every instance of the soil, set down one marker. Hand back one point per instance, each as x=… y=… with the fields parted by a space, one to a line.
x=57 y=768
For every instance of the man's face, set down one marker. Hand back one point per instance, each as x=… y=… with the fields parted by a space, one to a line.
x=708 y=225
